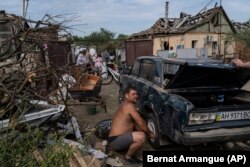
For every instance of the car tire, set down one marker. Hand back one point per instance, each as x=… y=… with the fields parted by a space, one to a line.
x=153 y=126
x=102 y=129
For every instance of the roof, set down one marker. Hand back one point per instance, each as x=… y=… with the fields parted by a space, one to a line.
x=18 y=20
x=182 y=24
x=241 y=26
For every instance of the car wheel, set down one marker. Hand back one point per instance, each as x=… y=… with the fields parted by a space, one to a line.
x=153 y=126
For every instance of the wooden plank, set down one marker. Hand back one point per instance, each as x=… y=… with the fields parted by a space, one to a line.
x=79 y=158
x=38 y=156
x=73 y=163
x=92 y=161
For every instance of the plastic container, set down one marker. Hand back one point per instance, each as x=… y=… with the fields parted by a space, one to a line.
x=91 y=110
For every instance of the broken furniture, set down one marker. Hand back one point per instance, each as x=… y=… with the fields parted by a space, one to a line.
x=86 y=89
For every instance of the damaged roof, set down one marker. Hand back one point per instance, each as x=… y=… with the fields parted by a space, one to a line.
x=17 y=20
x=181 y=25
x=241 y=26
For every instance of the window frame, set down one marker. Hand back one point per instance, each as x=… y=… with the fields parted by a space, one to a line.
x=139 y=67
x=145 y=76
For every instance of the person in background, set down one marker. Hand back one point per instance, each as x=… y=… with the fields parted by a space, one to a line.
x=92 y=53
x=129 y=130
x=240 y=63
x=82 y=59
x=98 y=63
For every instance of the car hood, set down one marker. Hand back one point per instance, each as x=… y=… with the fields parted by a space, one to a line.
x=209 y=76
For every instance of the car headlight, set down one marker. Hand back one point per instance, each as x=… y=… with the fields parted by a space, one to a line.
x=201 y=118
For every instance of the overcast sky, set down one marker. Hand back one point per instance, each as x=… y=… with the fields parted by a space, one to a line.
x=120 y=16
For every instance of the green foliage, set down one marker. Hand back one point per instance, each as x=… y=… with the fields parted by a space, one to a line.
x=120 y=41
x=243 y=36
x=102 y=40
x=18 y=150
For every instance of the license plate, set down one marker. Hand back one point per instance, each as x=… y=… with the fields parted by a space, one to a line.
x=235 y=115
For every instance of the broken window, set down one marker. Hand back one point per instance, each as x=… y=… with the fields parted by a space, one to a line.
x=166 y=46
x=214 y=47
x=194 y=43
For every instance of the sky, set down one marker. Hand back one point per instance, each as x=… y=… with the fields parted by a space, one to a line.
x=119 y=16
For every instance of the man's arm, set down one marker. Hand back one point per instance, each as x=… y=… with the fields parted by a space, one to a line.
x=139 y=121
x=240 y=63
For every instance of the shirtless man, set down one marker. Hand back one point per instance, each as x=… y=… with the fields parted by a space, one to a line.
x=128 y=129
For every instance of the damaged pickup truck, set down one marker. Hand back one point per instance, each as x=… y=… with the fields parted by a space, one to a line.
x=191 y=101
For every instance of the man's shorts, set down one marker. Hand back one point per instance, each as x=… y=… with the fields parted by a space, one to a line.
x=121 y=142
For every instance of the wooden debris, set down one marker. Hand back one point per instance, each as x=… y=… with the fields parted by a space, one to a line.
x=78 y=156
x=73 y=163
x=92 y=161
x=114 y=162
x=38 y=156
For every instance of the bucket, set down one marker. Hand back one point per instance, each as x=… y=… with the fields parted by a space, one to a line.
x=91 y=110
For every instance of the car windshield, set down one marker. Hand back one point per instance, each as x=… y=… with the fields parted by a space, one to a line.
x=169 y=70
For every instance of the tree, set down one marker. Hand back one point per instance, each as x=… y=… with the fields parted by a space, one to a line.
x=120 y=41
x=102 y=40
x=242 y=36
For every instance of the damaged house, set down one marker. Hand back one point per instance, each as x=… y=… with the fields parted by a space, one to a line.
x=34 y=44
x=31 y=62
x=43 y=36
x=201 y=35
x=241 y=48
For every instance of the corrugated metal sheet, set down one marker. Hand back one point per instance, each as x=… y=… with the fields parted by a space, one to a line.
x=136 y=49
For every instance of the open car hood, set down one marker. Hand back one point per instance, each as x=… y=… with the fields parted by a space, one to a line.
x=220 y=76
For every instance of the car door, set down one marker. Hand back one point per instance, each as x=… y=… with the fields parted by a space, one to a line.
x=145 y=80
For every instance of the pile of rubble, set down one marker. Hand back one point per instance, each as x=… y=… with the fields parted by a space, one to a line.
x=34 y=95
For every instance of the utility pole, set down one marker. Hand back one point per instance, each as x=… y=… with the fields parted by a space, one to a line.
x=24 y=8
x=166 y=23
x=166 y=15
x=219 y=48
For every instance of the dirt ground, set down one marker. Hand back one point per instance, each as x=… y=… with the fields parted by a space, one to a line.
x=109 y=94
